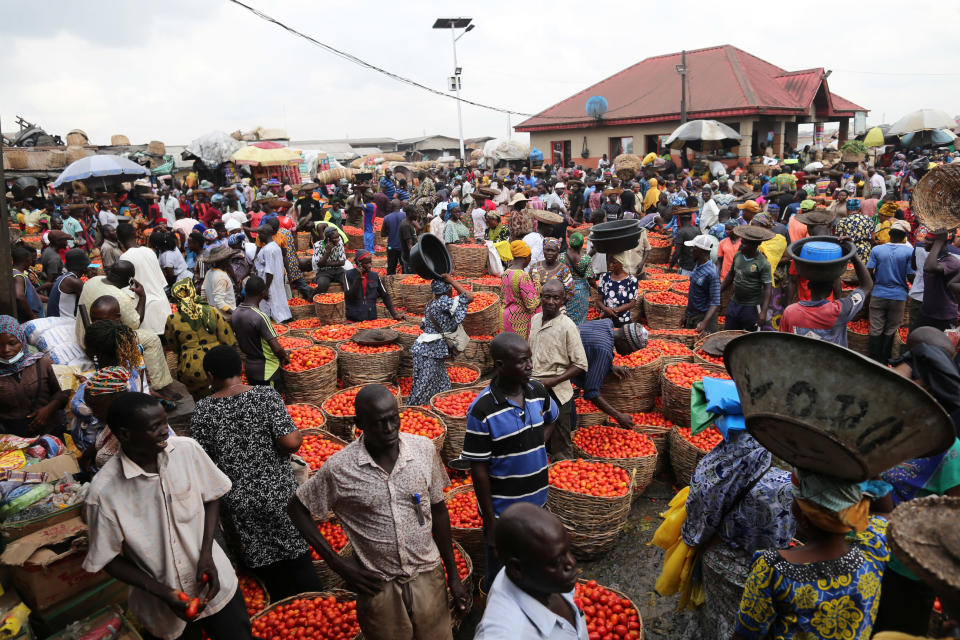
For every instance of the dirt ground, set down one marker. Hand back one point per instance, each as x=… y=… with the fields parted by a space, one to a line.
x=631 y=567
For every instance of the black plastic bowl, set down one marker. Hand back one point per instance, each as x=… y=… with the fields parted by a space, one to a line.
x=825 y=271
x=430 y=258
x=615 y=236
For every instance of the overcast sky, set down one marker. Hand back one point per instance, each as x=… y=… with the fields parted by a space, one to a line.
x=175 y=69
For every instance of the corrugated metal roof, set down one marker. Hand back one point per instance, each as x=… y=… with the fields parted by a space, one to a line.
x=721 y=81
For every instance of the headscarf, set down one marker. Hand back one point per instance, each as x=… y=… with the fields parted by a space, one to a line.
x=888 y=209
x=439 y=287
x=635 y=335
x=652 y=197
x=521 y=223
x=762 y=220
x=210 y=234
x=551 y=243
x=831 y=504
x=108 y=380
x=576 y=240
x=9 y=324
x=853 y=204
x=195 y=310
x=519 y=249
x=620 y=257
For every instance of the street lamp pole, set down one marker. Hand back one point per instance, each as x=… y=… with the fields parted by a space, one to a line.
x=453 y=24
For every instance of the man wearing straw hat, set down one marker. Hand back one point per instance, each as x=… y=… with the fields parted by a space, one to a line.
x=751 y=279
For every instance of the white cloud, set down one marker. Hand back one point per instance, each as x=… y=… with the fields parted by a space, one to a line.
x=174 y=70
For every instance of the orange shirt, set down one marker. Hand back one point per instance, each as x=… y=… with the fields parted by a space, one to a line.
x=726 y=251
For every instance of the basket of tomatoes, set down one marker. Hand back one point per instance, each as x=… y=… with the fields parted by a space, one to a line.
x=607 y=612
x=306 y=416
x=452 y=406
x=664 y=309
x=466 y=525
x=462 y=375
x=655 y=426
x=686 y=450
x=487 y=284
x=317 y=447
x=685 y=337
x=332 y=531
x=340 y=411
x=639 y=387
x=592 y=500
x=420 y=422
x=858 y=336
x=364 y=364
x=328 y=614
x=465 y=572
x=289 y=343
x=671 y=351
x=477 y=352
x=255 y=596
x=702 y=357
x=676 y=383
x=680 y=286
x=626 y=448
x=414 y=291
x=588 y=413
x=482 y=314
x=333 y=334
x=312 y=372
x=469 y=260
x=300 y=308
x=330 y=307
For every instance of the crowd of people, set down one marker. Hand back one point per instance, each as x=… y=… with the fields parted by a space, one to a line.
x=206 y=272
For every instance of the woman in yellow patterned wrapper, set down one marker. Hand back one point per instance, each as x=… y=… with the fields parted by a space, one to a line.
x=829 y=587
x=193 y=330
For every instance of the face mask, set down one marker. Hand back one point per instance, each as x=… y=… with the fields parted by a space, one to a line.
x=12 y=360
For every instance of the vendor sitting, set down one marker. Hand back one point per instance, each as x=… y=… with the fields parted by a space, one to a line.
x=600 y=338
x=31 y=401
x=363 y=289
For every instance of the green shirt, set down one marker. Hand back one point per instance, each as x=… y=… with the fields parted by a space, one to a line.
x=750 y=274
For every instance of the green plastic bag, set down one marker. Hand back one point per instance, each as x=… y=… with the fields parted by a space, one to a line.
x=700 y=418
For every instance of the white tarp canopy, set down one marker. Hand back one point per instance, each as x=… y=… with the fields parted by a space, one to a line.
x=505 y=149
x=214 y=148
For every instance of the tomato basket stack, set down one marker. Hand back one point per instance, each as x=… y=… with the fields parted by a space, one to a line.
x=466 y=526
x=334 y=613
x=407 y=334
x=483 y=314
x=312 y=373
x=687 y=450
x=638 y=389
x=333 y=334
x=340 y=412
x=300 y=308
x=332 y=531
x=626 y=448
x=318 y=445
x=477 y=352
x=686 y=337
x=664 y=309
x=592 y=500
x=858 y=336
x=588 y=413
x=415 y=292
x=463 y=375
x=676 y=384
x=361 y=364
x=330 y=308
x=660 y=249
x=488 y=284
x=469 y=260
x=655 y=426
x=452 y=407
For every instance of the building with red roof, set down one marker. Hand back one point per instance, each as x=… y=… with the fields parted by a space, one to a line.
x=763 y=102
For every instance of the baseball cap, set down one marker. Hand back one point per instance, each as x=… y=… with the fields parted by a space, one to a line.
x=232 y=225
x=700 y=242
x=807 y=205
x=749 y=205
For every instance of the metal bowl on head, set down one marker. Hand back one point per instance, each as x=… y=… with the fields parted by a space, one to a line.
x=815 y=260
x=615 y=236
x=830 y=410
x=430 y=258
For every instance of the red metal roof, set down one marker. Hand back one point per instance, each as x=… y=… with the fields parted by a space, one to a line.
x=722 y=81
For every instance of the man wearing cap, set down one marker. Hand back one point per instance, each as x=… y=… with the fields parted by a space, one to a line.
x=891 y=265
x=748 y=209
x=751 y=279
x=600 y=339
x=703 y=297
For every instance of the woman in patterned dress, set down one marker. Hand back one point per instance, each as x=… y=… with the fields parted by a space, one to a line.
x=858 y=227
x=248 y=433
x=581 y=270
x=618 y=291
x=521 y=297
x=442 y=315
x=551 y=267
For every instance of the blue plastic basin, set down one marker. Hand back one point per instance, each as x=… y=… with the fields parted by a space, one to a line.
x=819 y=251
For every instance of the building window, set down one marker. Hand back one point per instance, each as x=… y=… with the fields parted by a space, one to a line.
x=560 y=153
x=620 y=145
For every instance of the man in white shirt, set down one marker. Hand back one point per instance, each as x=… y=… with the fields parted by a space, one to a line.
x=532 y=596
x=479 y=217
x=878 y=186
x=710 y=212
x=168 y=206
x=554 y=196
x=150 y=275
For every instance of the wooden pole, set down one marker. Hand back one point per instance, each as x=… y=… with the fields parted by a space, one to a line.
x=7 y=300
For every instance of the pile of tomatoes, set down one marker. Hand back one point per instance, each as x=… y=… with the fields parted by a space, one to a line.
x=637 y=358
x=379 y=323
x=670 y=347
x=408 y=329
x=665 y=297
x=342 y=404
x=415 y=280
x=334 y=333
x=904 y=334
x=673 y=276
x=281 y=329
x=464 y=513
x=351 y=230
x=586 y=406
x=672 y=332
x=607 y=615
x=406 y=385
x=353 y=347
x=709 y=357
x=681 y=287
x=254 y=597
x=481 y=301
x=611 y=442
x=462 y=375
x=860 y=327
x=305 y=416
x=462 y=570
x=653 y=285
x=418 y=423
x=328 y=298
x=315 y=450
x=590 y=478
x=305 y=323
x=481 y=338
x=490 y=281
x=297 y=302
x=289 y=343
x=457 y=479
x=684 y=374
x=651 y=419
x=659 y=242
x=309 y=358
x=455 y=404
x=332 y=532
x=706 y=440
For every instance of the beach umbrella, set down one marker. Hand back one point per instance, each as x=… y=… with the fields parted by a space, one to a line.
x=922 y=120
x=103 y=167
x=927 y=138
x=257 y=156
x=703 y=135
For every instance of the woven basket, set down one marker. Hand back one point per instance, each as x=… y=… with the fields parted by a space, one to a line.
x=367 y=368
x=330 y=312
x=252 y=578
x=307 y=386
x=172 y=361
x=661 y=439
x=587 y=419
x=312 y=406
x=663 y=316
x=476 y=354
x=324 y=434
x=330 y=579
x=415 y=296
x=637 y=391
x=482 y=287
x=467 y=585
x=699 y=343
x=593 y=522
x=469 y=261
x=440 y=439
x=676 y=399
x=659 y=255
x=340 y=594
x=684 y=457
x=304 y=241
x=469 y=539
x=484 y=321
x=642 y=469
x=456 y=426
x=300 y=311
x=936 y=198
x=354 y=242
x=623 y=596
x=343 y=426
x=858 y=342
x=464 y=385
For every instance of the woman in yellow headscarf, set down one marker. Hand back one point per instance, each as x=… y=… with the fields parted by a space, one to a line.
x=885 y=215
x=521 y=298
x=652 y=197
x=194 y=329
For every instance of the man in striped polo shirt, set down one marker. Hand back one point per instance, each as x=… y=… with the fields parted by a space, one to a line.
x=507 y=426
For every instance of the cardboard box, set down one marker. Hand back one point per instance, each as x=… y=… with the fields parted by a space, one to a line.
x=50 y=621
x=47 y=564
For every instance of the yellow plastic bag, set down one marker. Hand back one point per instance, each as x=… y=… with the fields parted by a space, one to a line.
x=669 y=531
x=503 y=250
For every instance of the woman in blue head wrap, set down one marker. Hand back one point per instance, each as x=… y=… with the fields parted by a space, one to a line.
x=442 y=315
x=31 y=401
